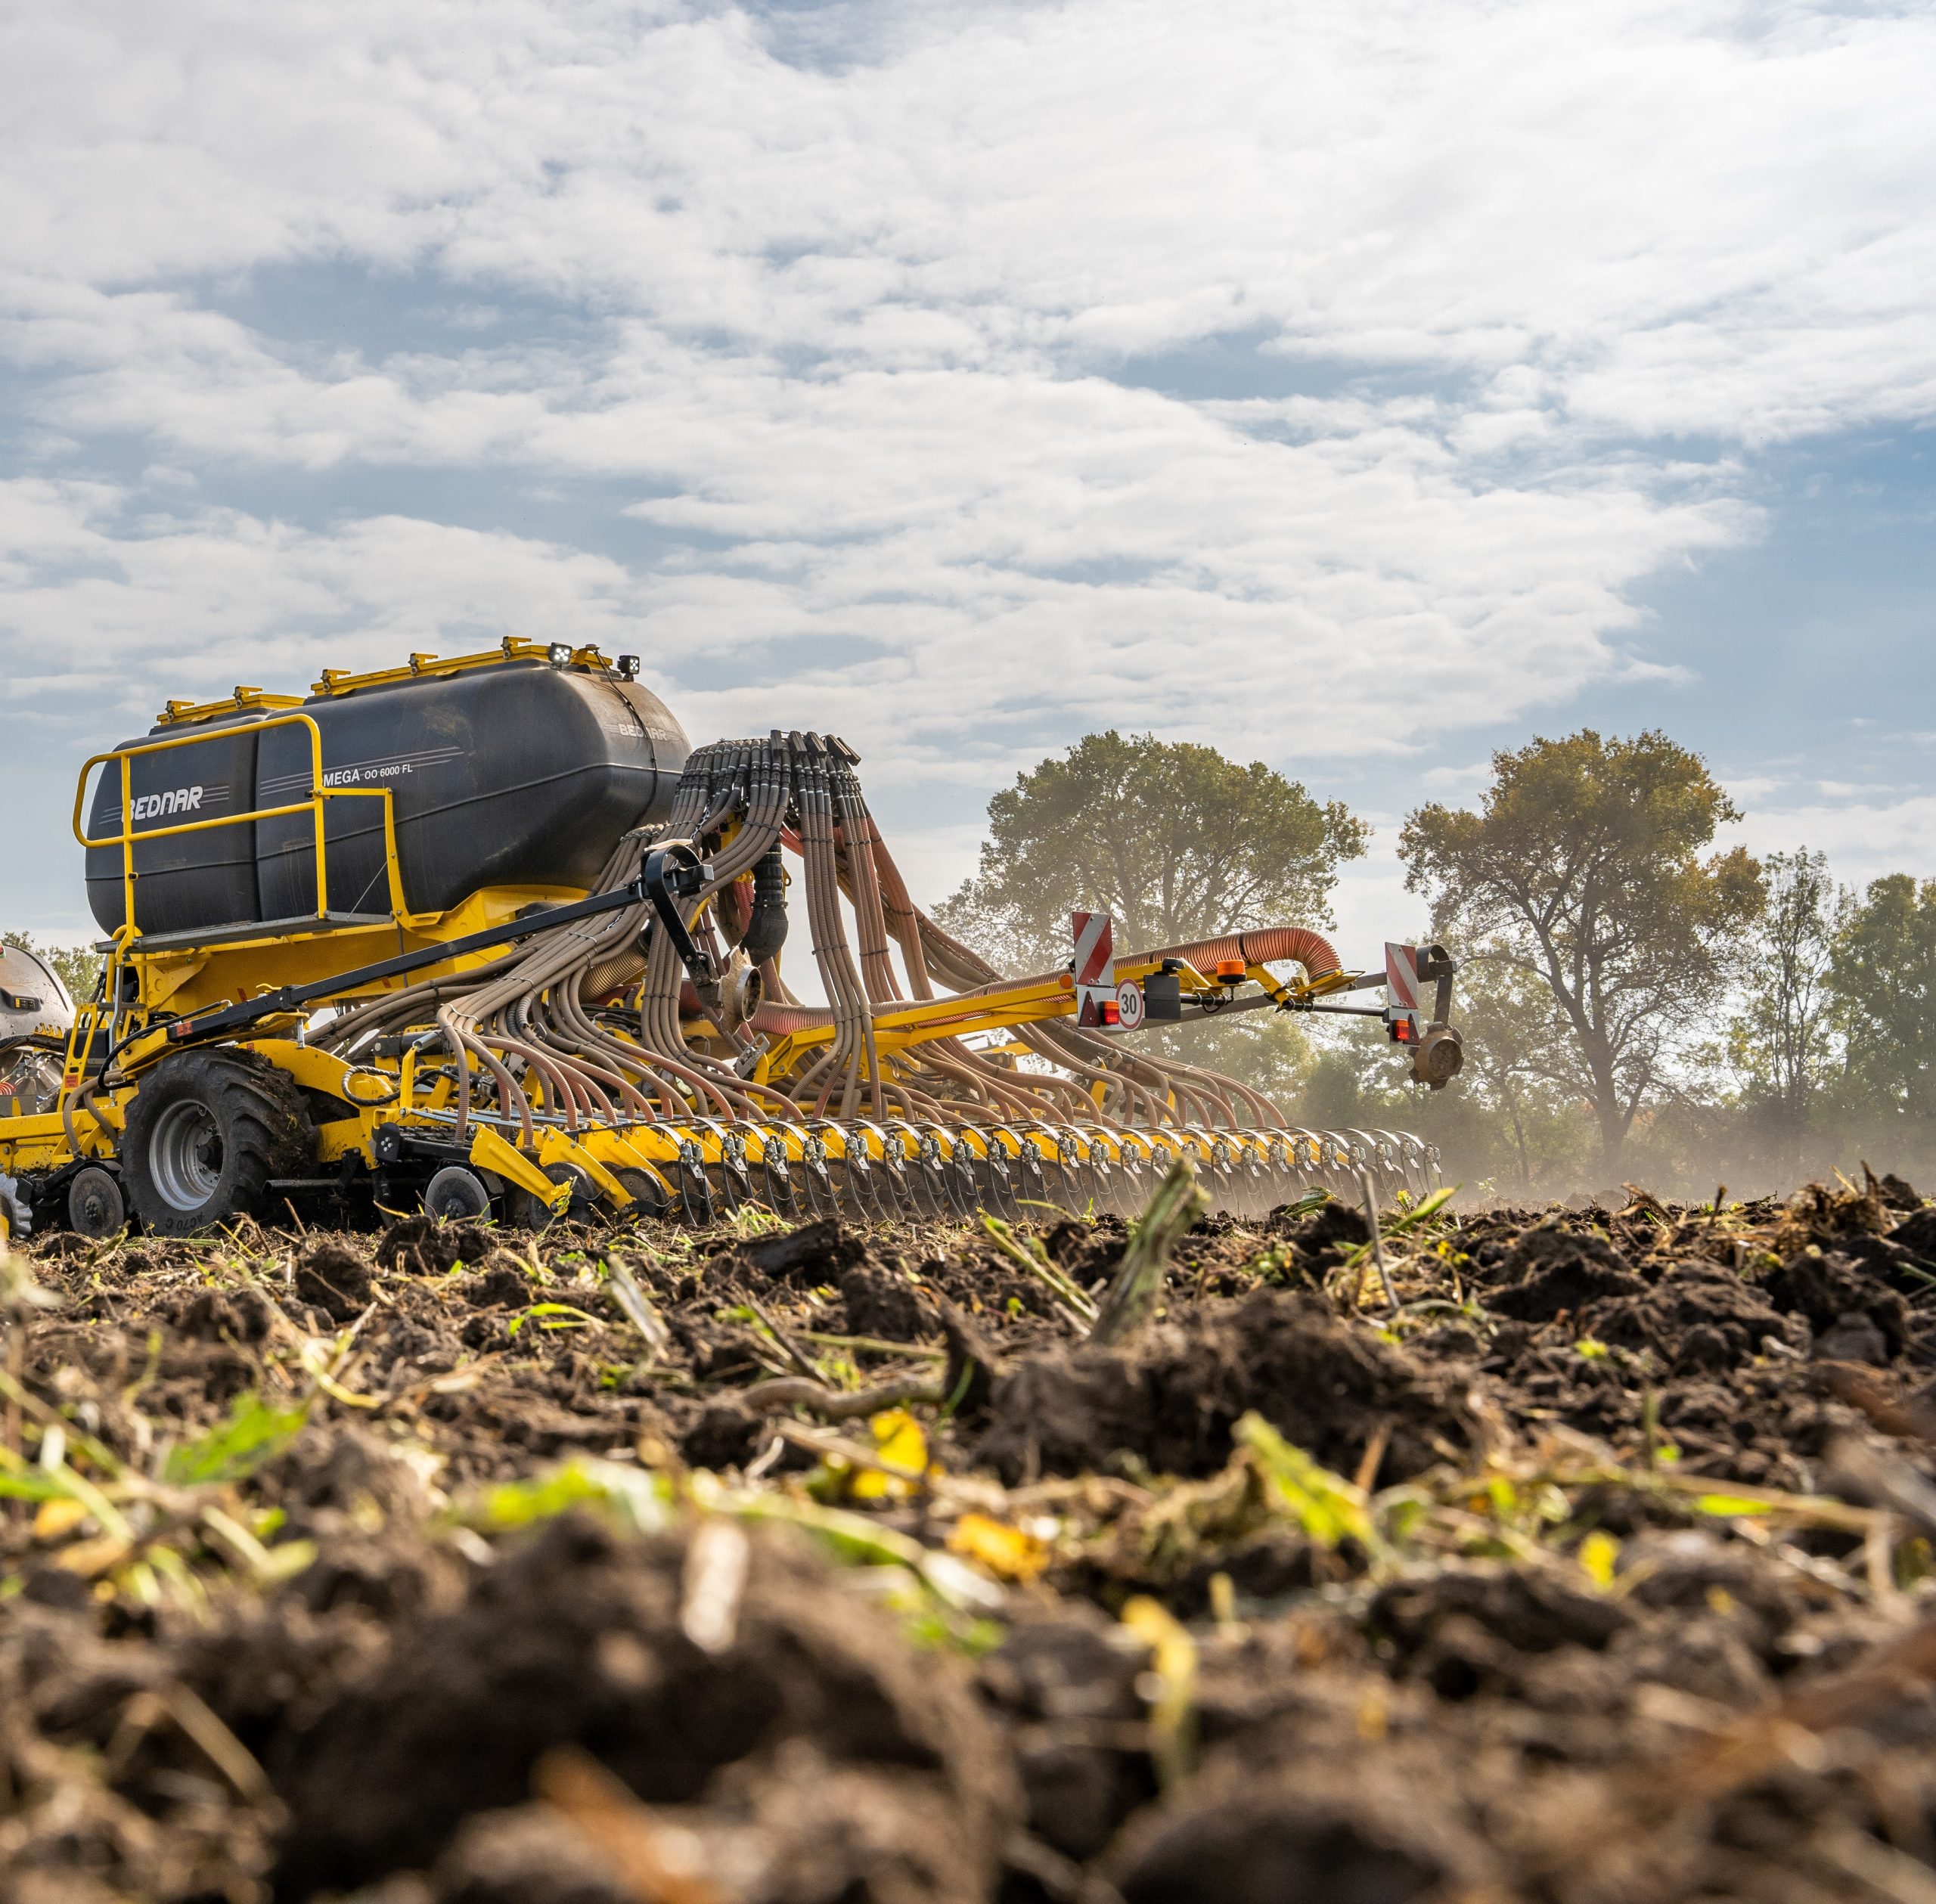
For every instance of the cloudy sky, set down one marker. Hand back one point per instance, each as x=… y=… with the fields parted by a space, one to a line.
x=1355 y=384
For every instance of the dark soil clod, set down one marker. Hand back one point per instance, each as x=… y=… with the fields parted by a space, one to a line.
x=1171 y=1401
x=336 y=1279
x=576 y=1639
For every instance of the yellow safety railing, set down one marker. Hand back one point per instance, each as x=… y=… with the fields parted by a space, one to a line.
x=316 y=805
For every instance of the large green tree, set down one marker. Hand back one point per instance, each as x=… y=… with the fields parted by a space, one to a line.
x=1881 y=982
x=1175 y=841
x=1585 y=869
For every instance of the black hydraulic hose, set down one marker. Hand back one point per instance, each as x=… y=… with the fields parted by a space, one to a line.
x=766 y=929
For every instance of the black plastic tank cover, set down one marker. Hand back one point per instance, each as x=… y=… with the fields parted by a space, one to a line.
x=518 y=774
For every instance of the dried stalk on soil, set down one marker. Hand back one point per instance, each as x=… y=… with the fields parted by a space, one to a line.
x=793 y=1391
x=1175 y=1205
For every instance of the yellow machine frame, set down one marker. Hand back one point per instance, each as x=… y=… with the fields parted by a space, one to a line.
x=147 y=984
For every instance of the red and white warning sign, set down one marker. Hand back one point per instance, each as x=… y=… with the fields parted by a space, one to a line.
x=1401 y=992
x=1095 y=968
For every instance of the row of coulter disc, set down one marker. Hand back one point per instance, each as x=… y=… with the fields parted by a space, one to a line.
x=889 y=1171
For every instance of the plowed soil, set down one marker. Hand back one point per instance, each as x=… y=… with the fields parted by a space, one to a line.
x=1578 y=1557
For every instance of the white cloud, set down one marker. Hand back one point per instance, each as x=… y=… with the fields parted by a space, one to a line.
x=1864 y=839
x=841 y=308
x=1309 y=615
x=1674 y=212
x=140 y=611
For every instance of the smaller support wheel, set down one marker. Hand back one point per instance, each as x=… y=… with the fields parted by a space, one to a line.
x=95 y=1205
x=652 y=1204
x=524 y=1210
x=456 y=1195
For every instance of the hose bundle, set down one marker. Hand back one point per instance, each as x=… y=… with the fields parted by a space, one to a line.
x=600 y=1023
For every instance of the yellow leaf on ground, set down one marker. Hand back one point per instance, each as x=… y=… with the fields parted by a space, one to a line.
x=58 y=1517
x=1732 y=1505
x=1172 y=1694
x=92 y=1557
x=899 y=1441
x=1005 y=1552
x=1597 y=1554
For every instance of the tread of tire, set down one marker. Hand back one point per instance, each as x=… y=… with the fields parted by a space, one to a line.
x=280 y=1140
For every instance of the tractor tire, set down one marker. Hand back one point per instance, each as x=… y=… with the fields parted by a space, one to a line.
x=96 y=1208
x=206 y=1132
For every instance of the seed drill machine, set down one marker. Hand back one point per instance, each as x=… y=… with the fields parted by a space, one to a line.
x=485 y=935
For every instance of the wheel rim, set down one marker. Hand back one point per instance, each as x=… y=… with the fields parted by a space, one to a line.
x=454 y=1195
x=185 y=1155
x=94 y=1205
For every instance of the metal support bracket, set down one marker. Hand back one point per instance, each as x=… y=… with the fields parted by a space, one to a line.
x=670 y=874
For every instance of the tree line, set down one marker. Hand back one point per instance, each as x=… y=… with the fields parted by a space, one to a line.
x=1638 y=1000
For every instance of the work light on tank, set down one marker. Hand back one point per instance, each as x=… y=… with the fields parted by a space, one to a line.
x=560 y=653
x=628 y=667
